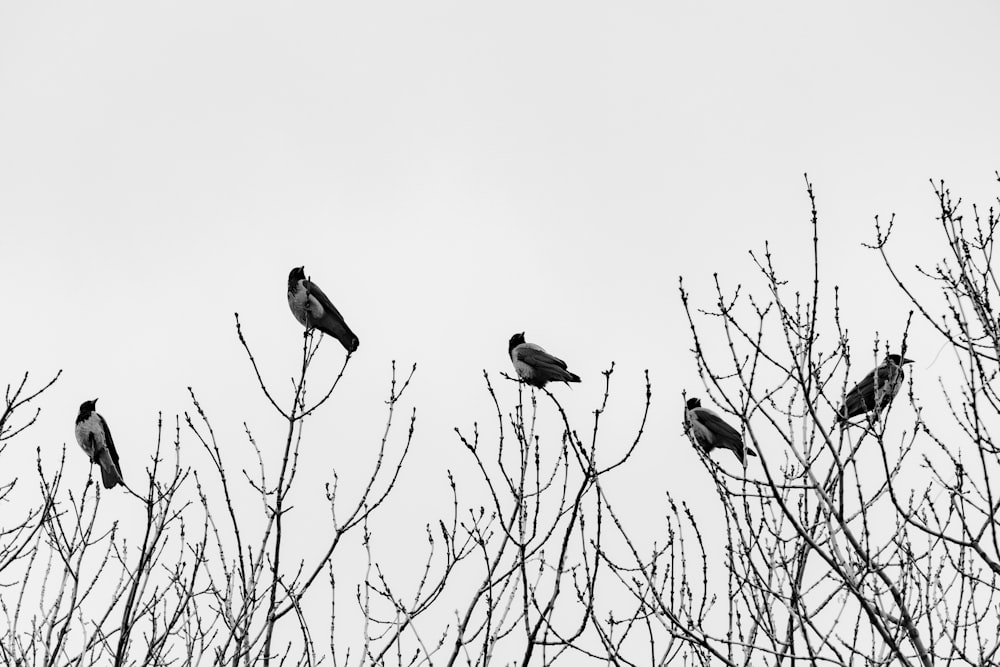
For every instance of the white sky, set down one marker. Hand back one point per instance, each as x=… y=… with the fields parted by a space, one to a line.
x=450 y=174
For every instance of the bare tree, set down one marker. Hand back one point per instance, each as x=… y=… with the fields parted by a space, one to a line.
x=255 y=582
x=18 y=534
x=869 y=542
x=852 y=544
x=548 y=570
x=197 y=580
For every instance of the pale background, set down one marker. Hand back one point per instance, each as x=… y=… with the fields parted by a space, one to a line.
x=450 y=174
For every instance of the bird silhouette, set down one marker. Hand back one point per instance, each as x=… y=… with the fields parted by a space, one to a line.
x=710 y=431
x=535 y=366
x=314 y=310
x=94 y=437
x=875 y=392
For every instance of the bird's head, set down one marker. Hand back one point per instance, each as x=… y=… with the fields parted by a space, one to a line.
x=515 y=340
x=693 y=403
x=899 y=360
x=296 y=274
x=88 y=406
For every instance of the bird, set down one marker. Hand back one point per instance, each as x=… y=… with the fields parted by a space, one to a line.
x=710 y=431
x=535 y=366
x=95 y=439
x=876 y=390
x=314 y=310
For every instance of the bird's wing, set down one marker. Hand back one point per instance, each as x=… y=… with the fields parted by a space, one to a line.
x=717 y=425
x=110 y=444
x=329 y=319
x=722 y=434
x=536 y=357
x=861 y=398
x=324 y=301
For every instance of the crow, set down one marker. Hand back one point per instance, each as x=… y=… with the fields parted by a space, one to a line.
x=535 y=366
x=314 y=310
x=95 y=439
x=876 y=390
x=711 y=432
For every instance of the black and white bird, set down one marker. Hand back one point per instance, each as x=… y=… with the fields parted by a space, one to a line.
x=876 y=390
x=535 y=366
x=710 y=431
x=314 y=310
x=95 y=439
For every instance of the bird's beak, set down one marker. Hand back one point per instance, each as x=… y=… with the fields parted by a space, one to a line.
x=95 y=401
x=907 y=361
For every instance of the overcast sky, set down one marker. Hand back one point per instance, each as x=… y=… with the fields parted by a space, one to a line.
x=451 y=173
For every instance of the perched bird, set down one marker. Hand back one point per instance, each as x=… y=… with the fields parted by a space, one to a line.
x=313 y=309
x=710 y=432
x=535 y=366
x=95 y=438
x=876 y=391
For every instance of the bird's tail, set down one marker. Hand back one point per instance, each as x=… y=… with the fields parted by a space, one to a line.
x=743 y=453
x=570 y=377
x=110 y=474
x=350 y=342
x=342 y=332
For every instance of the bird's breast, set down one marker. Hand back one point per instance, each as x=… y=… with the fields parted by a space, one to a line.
x=90 y=431
x=524 y=371
x=298 y=302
